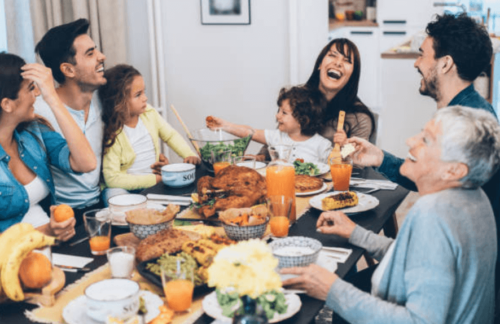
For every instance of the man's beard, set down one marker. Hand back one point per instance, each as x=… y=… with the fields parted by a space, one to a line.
x=430 y=86
x=88 y=87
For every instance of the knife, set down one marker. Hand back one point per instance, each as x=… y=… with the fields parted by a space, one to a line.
x=72 y=269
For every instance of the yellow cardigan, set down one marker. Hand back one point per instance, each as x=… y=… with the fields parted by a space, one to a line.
x=120 y=157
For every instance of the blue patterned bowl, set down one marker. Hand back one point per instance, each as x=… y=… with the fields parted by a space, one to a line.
x=296 y=251
x=142 y=229
x=242 y=233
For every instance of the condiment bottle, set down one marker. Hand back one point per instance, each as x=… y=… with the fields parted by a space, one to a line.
x=280 y=176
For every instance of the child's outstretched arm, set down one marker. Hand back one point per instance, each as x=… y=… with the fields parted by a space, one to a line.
x=236 y=130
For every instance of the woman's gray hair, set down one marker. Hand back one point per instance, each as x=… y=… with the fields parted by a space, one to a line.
x=470 y=136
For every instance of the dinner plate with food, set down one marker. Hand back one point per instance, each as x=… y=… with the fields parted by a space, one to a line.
x=213 y=309
x=308 y=185
x=311 y=169
x=349 y=202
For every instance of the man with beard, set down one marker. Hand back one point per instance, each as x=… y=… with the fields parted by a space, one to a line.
x=78 y=66
x=455 y=52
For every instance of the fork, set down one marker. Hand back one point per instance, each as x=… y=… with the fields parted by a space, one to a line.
x=371 y=190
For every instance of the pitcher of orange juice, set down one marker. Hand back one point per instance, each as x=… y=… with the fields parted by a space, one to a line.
x=280 y=176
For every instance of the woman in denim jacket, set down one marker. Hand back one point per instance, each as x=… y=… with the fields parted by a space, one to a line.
x=28 y=145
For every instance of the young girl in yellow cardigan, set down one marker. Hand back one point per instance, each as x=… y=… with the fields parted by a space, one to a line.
x=132 y=159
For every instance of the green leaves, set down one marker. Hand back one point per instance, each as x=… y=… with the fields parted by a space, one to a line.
x=271 y=302
x=306 y=168
x=227 y=302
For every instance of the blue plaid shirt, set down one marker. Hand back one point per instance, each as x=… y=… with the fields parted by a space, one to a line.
x=38 y=147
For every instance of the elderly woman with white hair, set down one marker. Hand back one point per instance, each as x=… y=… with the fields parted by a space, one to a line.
x=440 y=268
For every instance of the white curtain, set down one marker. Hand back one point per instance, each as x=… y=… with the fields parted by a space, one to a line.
x=29 y=20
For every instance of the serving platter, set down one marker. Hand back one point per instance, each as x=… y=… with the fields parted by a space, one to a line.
x=141 y=268
x=366 y=202
x=213 y=309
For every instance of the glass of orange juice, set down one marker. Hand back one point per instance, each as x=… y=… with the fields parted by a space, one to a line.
x=279 y=208
x=178 y=285
x=220 y=160
x=98 y=226
x=341 y=173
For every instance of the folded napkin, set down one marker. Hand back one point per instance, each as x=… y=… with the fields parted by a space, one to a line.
x=369 y=183
x=339 y=255
x=70 y=260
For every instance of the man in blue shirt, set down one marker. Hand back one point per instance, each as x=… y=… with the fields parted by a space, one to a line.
x=455 y=52
x=78 y=66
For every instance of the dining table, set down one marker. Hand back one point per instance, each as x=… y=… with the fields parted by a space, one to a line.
x=376 y=219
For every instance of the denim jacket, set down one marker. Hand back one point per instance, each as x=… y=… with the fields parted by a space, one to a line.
x=38 y=147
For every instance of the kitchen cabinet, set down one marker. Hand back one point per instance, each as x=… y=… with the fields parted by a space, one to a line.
x=367 y=41
x=404 y=110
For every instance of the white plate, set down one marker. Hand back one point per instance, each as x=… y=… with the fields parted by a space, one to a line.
x=212 y=308
x=121 y=222
x=74 y=312
x=323 y=169
x=366 y=202
x=249 y=164
x=323 y=188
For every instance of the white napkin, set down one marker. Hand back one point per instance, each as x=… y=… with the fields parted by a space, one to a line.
x=70 y=260
x=368 y=183
x=340 y=255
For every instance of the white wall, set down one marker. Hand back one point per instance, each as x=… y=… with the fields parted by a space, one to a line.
x=236 y=71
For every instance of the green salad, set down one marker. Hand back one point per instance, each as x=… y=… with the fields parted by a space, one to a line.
x=238 y=149
x=306 y=168
x=271 y=303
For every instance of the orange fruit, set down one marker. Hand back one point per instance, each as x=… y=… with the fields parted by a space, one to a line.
x=35 y=271
x=63 y=212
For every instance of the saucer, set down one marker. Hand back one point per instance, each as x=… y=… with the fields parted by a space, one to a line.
x=74 y=312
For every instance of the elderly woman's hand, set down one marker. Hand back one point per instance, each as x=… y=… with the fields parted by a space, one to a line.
x=62 y=230
x=43 y=78
x=335 y=222
x=366 y=153
x=315 y=280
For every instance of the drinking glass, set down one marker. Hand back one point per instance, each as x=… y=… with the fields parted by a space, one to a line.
x=341 y=173
x=178 y=285
x=220 y=160
x=279 y=209
x=121 y=261
x=246 y=161
x=98 y=226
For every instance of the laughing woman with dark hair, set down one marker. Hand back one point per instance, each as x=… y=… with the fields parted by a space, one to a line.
x=28 y=145
x=336 y=76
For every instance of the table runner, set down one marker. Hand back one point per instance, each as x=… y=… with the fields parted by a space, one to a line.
x=53 y=314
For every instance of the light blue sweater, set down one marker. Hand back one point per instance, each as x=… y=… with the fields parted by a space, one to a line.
x=441 y=271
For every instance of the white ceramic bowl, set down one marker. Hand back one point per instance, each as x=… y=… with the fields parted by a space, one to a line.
x=118 y=205
x=296 y=251
x=178 y=174
x=112 y=297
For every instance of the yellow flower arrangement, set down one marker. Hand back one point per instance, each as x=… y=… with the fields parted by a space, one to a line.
x=248 y=267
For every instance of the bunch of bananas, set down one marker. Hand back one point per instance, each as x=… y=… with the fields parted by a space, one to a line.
x=16 y=242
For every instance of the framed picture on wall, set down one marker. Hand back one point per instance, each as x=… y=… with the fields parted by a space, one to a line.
x=225 y=12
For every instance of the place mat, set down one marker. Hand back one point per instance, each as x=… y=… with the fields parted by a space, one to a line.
x=53 y=314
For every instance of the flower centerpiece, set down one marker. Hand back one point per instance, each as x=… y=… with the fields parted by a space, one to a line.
x=246 y=271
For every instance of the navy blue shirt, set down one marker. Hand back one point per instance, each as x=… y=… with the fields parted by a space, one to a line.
x=38 y=147
x=391 y=164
